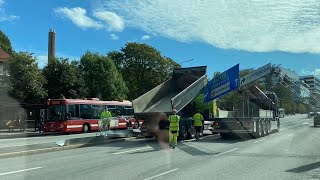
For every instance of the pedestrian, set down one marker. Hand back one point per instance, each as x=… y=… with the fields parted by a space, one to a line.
x=21 y=122
x=197 y=122
x=105 y=118
x=173 y=129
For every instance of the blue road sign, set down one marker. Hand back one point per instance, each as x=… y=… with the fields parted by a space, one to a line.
x=222 y=84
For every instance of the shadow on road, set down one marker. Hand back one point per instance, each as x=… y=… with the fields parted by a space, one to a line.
x=229 y=140
x=305 y=168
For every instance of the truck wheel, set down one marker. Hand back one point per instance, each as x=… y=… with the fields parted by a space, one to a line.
x=264 y=128
x=189 y=134
x=278 y=125
x=183 y=132
x=268 y=127
x=259 y=130
x=136 y=125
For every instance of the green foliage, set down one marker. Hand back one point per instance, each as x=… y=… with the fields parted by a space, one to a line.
x=102 y=77
x=201 y=106
x=64 y=79
x=5 y=43
x=142 y=67
x=27 y=82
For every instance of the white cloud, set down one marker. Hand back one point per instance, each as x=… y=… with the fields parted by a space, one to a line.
x=258 y=26
x=111 y=19
x=114 y=37
x=145 y=37
x=4 y=16
x=78 y=16
x=315 y=72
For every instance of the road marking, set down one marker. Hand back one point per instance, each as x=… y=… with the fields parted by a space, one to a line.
x=260 y=140
x=226 y=152
x=167 y=172
x=23 y=170
x=132 y=150
x=305 y=123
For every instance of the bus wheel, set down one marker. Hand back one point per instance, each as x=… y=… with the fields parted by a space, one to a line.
x=85 y=128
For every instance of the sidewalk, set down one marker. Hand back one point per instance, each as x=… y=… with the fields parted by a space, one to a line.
x=5 y=134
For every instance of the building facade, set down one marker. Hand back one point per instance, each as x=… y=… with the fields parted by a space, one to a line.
x=299 y=89
x=313 y=85
x=3 y=57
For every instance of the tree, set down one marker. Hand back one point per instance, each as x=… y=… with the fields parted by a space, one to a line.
x=102 y=77
x=64 y=79
x=27 y=82
x=5 y=43
x=142 y=67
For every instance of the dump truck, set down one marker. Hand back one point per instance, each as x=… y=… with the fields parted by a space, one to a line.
x=156 y=105
x=256 y=115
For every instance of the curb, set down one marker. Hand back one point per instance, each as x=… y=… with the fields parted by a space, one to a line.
x=55 y=149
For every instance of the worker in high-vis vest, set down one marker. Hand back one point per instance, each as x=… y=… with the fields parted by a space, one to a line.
x=105 y=117
x=173 y=128
x=197 y=122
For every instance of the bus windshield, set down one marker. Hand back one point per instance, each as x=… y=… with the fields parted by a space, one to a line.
x=57 y=113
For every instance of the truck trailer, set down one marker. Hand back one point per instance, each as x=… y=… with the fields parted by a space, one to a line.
x=156 y=105
x=256 y=115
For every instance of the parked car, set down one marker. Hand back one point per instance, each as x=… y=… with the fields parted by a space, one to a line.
x=311 y=114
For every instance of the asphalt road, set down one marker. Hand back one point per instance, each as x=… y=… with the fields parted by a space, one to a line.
x=293 y=153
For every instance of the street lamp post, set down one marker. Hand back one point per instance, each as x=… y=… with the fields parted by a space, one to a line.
x=186 y=61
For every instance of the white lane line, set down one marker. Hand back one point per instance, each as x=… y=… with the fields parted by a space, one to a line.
x=23 y=170
x=260 y=140
x=226 y=152
x=132 y=150
x=167 y=172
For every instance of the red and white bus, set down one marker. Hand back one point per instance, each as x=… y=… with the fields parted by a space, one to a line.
x=83 y=115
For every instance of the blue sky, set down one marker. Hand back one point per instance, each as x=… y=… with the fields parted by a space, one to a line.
x=215 y=33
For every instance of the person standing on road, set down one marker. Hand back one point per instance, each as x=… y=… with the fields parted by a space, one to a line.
x=105 y=118
x=173 y=129
x=197 y=122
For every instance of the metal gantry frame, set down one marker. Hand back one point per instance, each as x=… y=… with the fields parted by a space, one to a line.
x=280 y=77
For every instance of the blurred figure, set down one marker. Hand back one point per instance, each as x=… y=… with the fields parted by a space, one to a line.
x=174 y=120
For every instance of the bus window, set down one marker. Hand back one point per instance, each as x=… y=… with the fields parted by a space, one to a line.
x=85 y=111
x=127 y=111
x=96 y=111
x=73 y=110
x=57 y=112
x=90 y=111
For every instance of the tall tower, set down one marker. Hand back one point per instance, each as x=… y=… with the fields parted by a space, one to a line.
x=52 y=45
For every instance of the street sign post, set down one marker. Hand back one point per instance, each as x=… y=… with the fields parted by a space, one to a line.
x=222 y=84
x=257 y=74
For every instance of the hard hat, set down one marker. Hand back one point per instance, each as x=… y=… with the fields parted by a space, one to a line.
x=174 y=111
